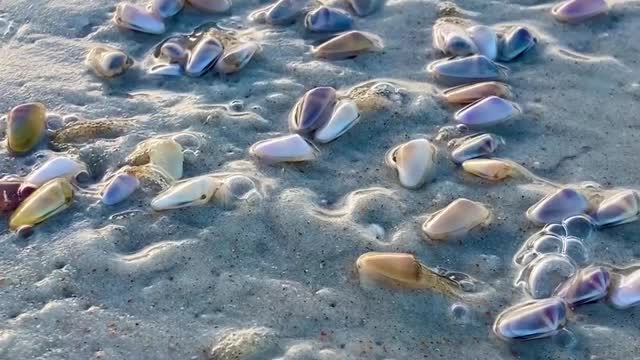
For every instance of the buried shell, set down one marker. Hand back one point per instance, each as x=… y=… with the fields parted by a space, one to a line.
x=165 y=70
x=516 y=42
x=164 y=153
x=151 y=177
x=474 y=146
x=133 y=17
x=348 y=45
x=558 y=206
x=455 y=220
x=328 y=19
x=25 y=127
x=52 y=198
x=203 y=56
x=466 y=70
x=485 y=39
x=84 y=131
x=531 y=320
x=489 y=169
x=236 y=188
x=574 y=11
x=452 y=39
x=211 y=6
x=403 y=270
x=625 y=293
x=191 y=192
x=590 y=284
x=12 y=193
x=58 y=167
x=344 y=117
x=285 y=12
x=365 y=7
x=120 y=187
x=288 y=148
x=466 y=94
x=313 y=110
x=108 y=62
x=236 y=58
x=487 y=112
x=543 y=275
x=619 y=209
x=166 y=8
x=415 y=162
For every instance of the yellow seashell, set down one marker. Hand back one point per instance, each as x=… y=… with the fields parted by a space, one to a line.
x=50 y=199
x=489 y=169
x=25 y=127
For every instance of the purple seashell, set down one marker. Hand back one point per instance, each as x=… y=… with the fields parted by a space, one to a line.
x=574 y=11
x=590 y=284
x=328 y=19
x=516 y=42
x=313 y=110
x=531 y=320
x=203 y=56
x=470 y=69
x=284 y=12
x=487 y=112
x=558 y=206
x=625 y=293
x=618 y=209
x=119 y=188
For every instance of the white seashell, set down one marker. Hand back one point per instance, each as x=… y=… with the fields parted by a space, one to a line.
x=58 y=167
x=204 y=56
x=455 y=220
x=133 y=17
x=626 y=292
x=485 y=39
x=415 y=162
x=166 y=8
x=288 y=148
x=236 y=58
x=108 y=62
x=345 y=116
x=166 y=70
x=191 y=192
x=558 y=206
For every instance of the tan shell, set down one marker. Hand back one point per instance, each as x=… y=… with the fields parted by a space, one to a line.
x=455 y=220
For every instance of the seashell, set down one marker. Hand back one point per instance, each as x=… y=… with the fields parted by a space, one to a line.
x=166 y=8
x=151 y=177
x=452 y=39
x=403 y=270
x=516 y=42
x=288 y=148
x=25 y=127
x=485 y=39
x=211 y=6
x=344 y=117
x=58 y=167
x=455 y=220
x=52 y=198
x=313 y=110
x=119 y=188
x=466 y=94
x=174 y=52
x=236 y=58
x=619 y=209
x=328 y=19
x=415 y=162
x=474 y=146
x=487 y=112
x=544 y=274
x=365 y=7
x=163 y=153
x=489 y=169
x=236 y=188
x=204 y=56
x=285 y=12
x=108 y=62
x=191 y=192
x=166 y=70
x=574 y=11
x=348 y=45
x=625 y=293
x=133 y=17
x=590 y=284
x=531 y=320
x=470 y=69
x=12 y=193
x=558 y=206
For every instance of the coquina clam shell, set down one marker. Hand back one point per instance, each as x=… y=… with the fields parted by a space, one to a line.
x=25 y=127
x=133 y=17
x=415 y=162
x=455 y=220
x=348 y=45
x=108 y=62
x=50 y=199
x=288 y=148
x=531 y=320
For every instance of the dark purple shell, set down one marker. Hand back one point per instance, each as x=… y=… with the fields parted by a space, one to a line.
x=314 y=110
x=590 y=284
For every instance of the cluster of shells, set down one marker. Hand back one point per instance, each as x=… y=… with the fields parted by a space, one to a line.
x=553 y=263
